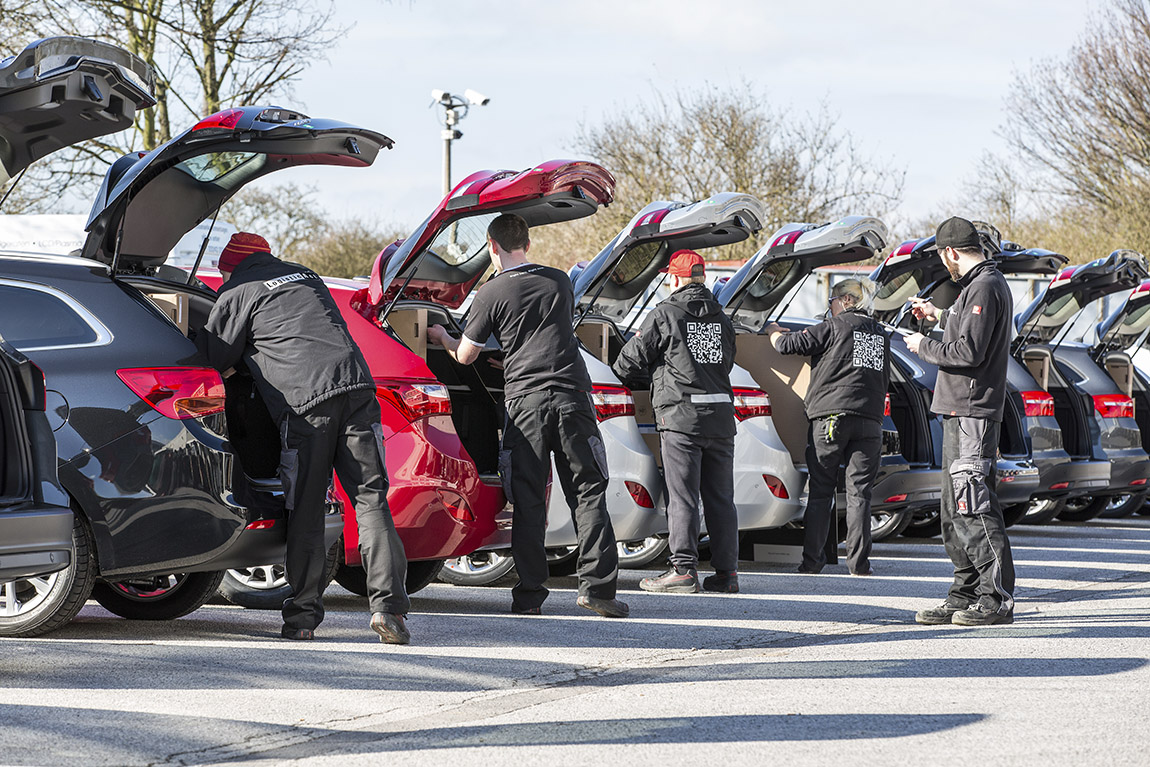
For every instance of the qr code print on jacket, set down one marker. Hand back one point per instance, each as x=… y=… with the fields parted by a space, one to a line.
x=705 y=341
x=870 y=350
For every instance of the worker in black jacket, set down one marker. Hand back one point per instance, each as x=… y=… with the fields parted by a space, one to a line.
x=279 y=320
x=850 y=371
x=970 y=394
x=687 y=345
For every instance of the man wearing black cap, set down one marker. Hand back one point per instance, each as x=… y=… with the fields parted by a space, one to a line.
x=970 y=393
x=687 y=344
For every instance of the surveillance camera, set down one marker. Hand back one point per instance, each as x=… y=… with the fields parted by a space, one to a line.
x=439 y=95
x=476 y=98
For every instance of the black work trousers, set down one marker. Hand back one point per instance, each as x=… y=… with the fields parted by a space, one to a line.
x=700 y=468
x=560 y=422
x=832 y=442
x=972 y=527
x=343 y=433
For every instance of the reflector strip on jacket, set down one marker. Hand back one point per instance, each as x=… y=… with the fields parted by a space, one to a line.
x=709 y=399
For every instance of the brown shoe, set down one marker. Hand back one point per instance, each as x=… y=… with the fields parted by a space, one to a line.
x=391 y=628
x=608 y=608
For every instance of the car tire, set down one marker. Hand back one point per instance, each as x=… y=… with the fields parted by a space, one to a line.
x=1013 y=514
x=160 y=598
x=420 y=575
x=1043 y=511
x=480 y=568
x=925 y=524
x=1123 y=505
x=1083 y=509
x=562 y=561
x=634 y=555
x=265 y=587
x=33 y=606
x=1144 y=509
x=888 y=524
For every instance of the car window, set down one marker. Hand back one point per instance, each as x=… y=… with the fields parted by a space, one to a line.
x=893 y=294
x=462 y=240
x=635 y=262
x=771 y=277
x=33 y=319
x=213 y=166
x=1136 y=321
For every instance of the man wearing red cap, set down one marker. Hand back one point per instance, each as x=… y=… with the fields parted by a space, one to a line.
x=279 y=321
x=687 y=345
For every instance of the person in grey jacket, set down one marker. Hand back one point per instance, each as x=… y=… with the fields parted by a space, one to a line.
x=687 y=345
x=846 y=398
x=970 y=393
x=279 y=321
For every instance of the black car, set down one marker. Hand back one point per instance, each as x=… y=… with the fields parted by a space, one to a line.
x=1091 y=385
x=140 y=420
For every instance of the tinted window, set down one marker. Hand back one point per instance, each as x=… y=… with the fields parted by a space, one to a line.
x=31 y=319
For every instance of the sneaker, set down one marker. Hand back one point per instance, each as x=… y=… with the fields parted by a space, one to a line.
x=608 y=608
x=723 y=582
x=868 y=570
x=936 y=615
x=526 y=610
x=287 y=632
x=979 y=614
x=676 y=580
x=391 y=628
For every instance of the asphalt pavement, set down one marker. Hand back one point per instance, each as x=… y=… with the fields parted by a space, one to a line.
x=796 y=670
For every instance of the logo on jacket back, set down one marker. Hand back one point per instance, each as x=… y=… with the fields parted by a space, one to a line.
x=705 y=342
x=869 y=350
x=273 y=284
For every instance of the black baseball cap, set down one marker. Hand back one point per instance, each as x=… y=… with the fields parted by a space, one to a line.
x=958 y=233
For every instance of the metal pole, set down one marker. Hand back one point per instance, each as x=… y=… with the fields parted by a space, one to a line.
x=447 y=135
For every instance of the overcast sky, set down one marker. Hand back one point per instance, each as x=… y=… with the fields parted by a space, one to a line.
x=918 y=84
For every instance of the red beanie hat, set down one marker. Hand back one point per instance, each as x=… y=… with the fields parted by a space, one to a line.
x=239 y=247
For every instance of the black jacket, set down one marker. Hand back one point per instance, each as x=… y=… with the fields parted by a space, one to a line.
x=687 y=344
x=850 y=365
x=972 y=355
x=280 y=319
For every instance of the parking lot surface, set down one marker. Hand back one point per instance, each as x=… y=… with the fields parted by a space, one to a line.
x=796 y=670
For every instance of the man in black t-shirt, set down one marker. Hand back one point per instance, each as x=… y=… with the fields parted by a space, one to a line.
x=530 y=308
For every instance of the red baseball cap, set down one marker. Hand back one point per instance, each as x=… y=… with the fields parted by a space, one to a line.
x=686 y=263
x=239 y=247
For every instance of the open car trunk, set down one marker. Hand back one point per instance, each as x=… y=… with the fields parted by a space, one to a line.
x=1071 y=407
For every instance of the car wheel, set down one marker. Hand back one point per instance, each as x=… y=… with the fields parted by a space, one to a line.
x=562 y=561
x=1083 y=509
x=158 y=598
x=887 y=524
x=33 y=606
x=1013 y=514
x=1043 y=510
x=480 y=568
x=636 y=554
x=1144 y=509
x=419 y=576
x=1123 y=505
x=925 y=524
x=265 y=587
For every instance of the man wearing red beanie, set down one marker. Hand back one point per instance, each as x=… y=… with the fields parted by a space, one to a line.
x=279 y=320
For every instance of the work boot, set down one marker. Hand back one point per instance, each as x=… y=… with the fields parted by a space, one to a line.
x=937 y=615
x=677 y=580
x=723 y=581
x=287 y=632
x=391 y=628
x=806 y=569
x=608 y=608
x=979 y=614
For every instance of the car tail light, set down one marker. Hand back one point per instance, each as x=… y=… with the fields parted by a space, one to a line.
x=177 y=392
x=776 y=486
x=261 y=524
x=750 y=403
x=1139 y=481
x=1060 y=486
x=1038 y=403
x=639 y=494
x=456 y=505
x=899 y=498
x=886 y=406
x=225 y=120
x=415 y=400
x=612 y=401
x=1007 y=478
x=1114 y=405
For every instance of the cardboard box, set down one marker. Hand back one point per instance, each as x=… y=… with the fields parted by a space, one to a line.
x=175 y=305
x=411 y=327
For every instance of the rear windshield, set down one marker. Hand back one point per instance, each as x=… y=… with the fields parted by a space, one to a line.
x=226 y=169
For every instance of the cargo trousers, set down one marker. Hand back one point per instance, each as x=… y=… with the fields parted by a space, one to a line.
x=343 y=433
x=700 y=469
x=973 y=531
x=561 y=422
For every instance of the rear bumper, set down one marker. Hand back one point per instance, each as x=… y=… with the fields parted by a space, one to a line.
x=901 y=486
x=1129 y=471
x=759 y=452
x=1016 y=481
x=266 y=545
x=34 y=540
x=1081 y=477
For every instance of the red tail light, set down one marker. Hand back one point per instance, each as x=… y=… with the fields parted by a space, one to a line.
x=1038 y=403
x=639 y=494
x=261 y=524
x=1114 y=405
x=776 y=486
x=177 y=392
x=751 y=402
x=1060 y=486
x=612 y=401
x=886 y=406
x=415 y=400
x=225 y=120
x=899 y=498
x=456 y=505
x=1139 y=481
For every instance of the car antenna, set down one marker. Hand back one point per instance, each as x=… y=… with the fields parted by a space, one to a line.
x=203 y=246
x=12 y=186
x=638 y=314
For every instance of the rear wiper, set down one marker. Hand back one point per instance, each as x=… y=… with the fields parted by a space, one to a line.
x=12 y=186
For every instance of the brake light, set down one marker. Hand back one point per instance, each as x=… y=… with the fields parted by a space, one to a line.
x=456 y=505
x=639 y=494
x=1114 y=405
x=1038 y=403
x=776 y=486
x=261 y=524
x=886 y=406
x=1060 y=486
x=899 y=498
x=177 y=392
x=225 y=120
x=1139 y=481
x=902 y=252
x=612 y=401
x=750 y=403
x=415 y=400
